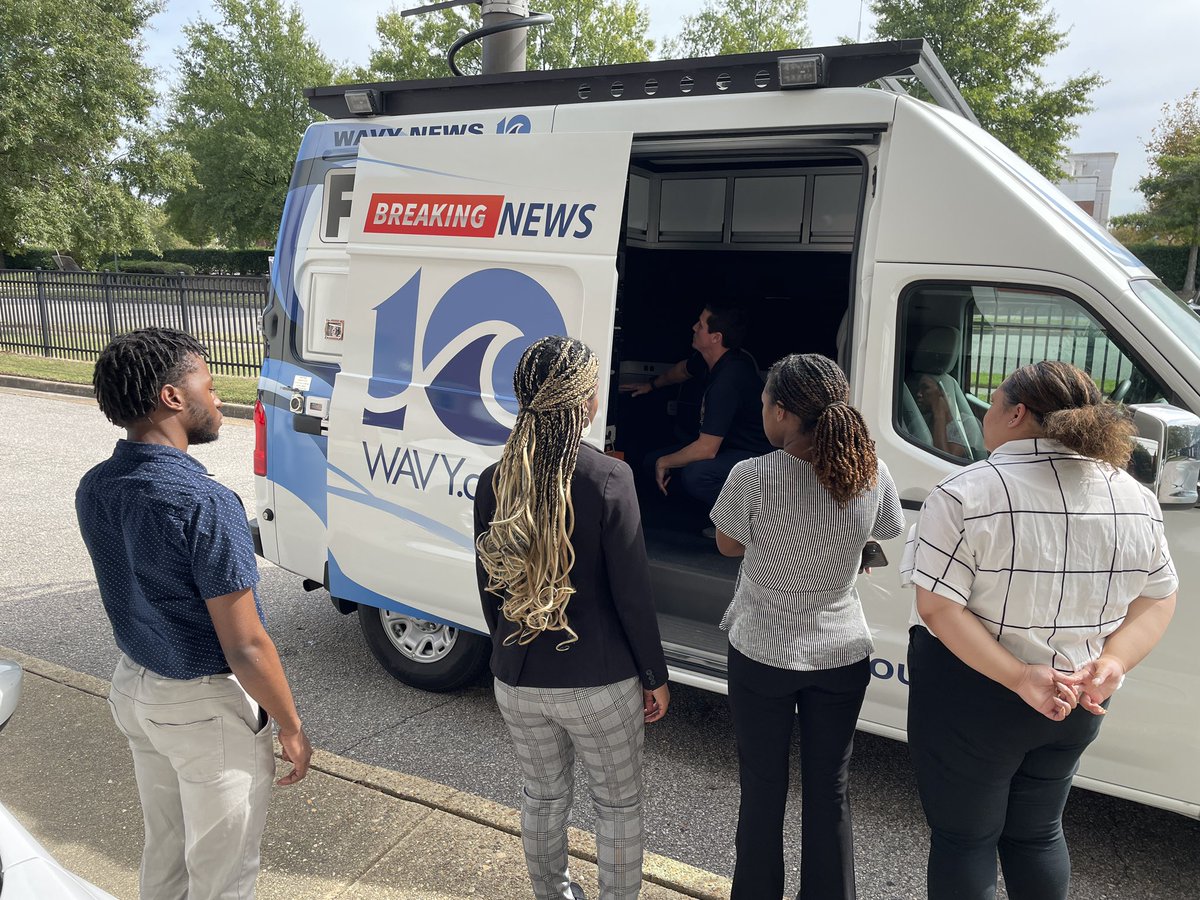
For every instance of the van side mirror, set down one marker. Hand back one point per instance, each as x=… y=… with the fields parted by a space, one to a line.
x=10 y=689
x=1167 y=456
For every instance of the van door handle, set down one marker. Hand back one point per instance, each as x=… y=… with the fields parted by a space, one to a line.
x=912 y=498
x=307 y=424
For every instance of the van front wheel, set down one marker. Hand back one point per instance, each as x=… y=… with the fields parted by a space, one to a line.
x=424 y=654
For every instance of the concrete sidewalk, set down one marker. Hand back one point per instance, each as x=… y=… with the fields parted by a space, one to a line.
x=347 y=831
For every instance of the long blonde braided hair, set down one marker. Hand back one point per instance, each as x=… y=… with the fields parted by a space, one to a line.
x=526 y=551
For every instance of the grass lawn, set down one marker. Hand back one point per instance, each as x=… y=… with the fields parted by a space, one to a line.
x=74 y=371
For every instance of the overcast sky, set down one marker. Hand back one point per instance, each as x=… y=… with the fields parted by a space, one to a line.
x=1146 y=49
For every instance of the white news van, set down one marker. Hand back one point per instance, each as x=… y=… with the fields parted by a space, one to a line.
x=434 y=229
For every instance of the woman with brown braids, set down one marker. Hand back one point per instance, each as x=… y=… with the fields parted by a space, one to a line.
x=798 y=640
x=1042 y=577
x=565 y=586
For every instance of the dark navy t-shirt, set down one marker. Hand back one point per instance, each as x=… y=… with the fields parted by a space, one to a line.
x=732 y=405
x=164 y=537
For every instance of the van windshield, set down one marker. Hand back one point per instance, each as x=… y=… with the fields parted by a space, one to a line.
x=1175 y=313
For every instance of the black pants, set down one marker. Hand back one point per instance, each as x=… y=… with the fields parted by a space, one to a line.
x=765 y=701
x=993 y=774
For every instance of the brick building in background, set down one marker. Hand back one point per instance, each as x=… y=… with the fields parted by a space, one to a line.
x=1088 y=181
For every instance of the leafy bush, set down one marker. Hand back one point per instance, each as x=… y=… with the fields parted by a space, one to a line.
x=148 y=267
x=214 y=261
x=31 y=258
x=1168 y=262
x=203 y=262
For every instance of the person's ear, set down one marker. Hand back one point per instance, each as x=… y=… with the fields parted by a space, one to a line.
x=1020 y=412
x=171 y=398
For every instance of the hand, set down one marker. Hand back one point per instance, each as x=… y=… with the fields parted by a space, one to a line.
x=935 y=398
x=298 y=751
x=655 y=702
x=662 y=475
x=1097 y=680
x=638 y=389
x=1048 y=691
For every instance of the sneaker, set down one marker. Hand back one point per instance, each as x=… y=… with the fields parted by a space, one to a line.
x=577 y=892
x=710 y=532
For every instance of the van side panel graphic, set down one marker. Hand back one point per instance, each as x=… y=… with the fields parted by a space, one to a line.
x=511 y=300
x=452 y=215
x=501 y=295
x=295 y=461
x=435 y=325
x=395 y=336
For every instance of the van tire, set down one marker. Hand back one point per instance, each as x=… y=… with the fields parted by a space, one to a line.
x=455 y=657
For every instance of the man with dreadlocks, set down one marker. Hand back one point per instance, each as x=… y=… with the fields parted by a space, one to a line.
x=557 y=523
x=199 y=679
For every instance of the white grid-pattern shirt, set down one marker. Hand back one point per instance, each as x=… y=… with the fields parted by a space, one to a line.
x=795 y=606
x=1046 y=547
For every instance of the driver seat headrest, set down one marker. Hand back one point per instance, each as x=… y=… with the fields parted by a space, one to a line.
x=936 y=351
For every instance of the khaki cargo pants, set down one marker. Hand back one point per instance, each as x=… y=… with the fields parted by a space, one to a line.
x=204 y=763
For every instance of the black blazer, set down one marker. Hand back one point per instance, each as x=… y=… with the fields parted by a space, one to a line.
x=611 y=610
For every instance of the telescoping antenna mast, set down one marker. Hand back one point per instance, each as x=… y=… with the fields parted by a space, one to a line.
x=502 y=33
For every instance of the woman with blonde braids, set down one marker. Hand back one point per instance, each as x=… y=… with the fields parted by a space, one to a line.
x=565 y=586
x=798 y=640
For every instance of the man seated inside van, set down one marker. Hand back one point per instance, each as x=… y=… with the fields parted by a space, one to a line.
x=730 y=410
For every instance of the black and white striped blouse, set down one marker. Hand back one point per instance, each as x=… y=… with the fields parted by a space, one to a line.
x=795 y=606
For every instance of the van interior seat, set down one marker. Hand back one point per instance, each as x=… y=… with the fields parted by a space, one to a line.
x=910 y=418
x=935 y=355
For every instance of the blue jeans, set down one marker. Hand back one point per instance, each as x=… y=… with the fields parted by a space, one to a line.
x=993 y=775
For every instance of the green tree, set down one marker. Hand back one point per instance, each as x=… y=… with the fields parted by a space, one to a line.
x=415 y=47
x=239 y=112
x=590 y=33
x=741 y=26
x=78 y=162
x=584 y=33
x=994 y=50
x=1172 y=188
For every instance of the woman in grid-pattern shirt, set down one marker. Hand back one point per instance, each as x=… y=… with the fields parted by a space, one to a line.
x=1045 y=575
x=798 y=640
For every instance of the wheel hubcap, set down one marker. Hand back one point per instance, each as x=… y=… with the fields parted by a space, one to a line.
x=417 y=639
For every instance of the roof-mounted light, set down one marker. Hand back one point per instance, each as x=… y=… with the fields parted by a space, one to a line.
x=364 y=102
x=802 y=71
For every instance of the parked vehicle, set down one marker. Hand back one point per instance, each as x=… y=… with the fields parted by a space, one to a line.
x=27 y=870
x=434 y=229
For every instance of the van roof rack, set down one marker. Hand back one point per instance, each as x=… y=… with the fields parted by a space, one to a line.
x=844 y=65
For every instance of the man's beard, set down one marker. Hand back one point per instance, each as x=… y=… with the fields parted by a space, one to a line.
x=203 y=431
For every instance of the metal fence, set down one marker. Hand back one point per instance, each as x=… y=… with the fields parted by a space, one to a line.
x=74 y=314
x=1014 y=333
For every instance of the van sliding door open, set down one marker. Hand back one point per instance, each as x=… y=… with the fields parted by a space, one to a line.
x=462 y=253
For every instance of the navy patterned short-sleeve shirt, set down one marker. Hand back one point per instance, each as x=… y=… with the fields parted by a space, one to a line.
x=164 y=537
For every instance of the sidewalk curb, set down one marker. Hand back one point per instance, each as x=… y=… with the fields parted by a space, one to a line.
x=677 y=876
x=230 y=410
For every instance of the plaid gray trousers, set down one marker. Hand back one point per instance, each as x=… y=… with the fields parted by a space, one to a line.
x=604 y=726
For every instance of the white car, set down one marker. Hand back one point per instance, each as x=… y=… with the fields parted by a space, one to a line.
x=27 y=870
